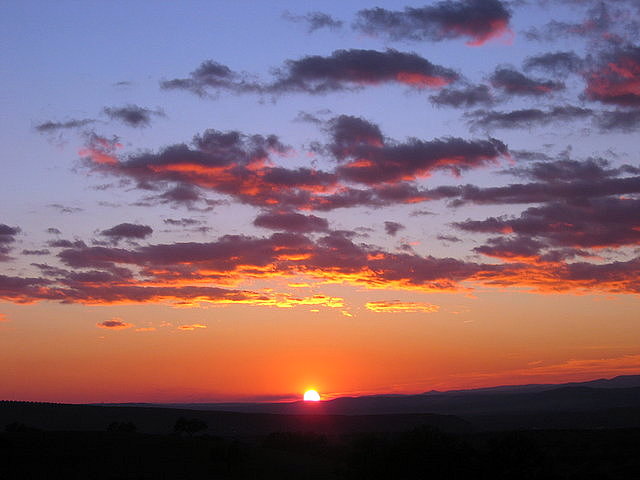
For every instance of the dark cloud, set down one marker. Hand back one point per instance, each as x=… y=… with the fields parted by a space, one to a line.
x=133 y=115
x=66 y=244
x=567 y=170
x=23 y=289
x=393 y=227
x=316 y=74
x=349 y=69
x=477 y=20
x=522 y=248
x=7 y=233
x=291 y=222
x=511 y=247
x=174 y=272
x=539 y=192
x=51 y=127
x=619 y=120
x=449 y=238
x=513 y=82
x=182 y=222
x=315 y=20
x=7 y=237
x=114 y=324
x=127 y=231
x=239 y=165
x=64 y=208
x=604 y=23
x=463 y=97
x=615 y=77
x=349 y=132
x=557 y=63
x=527 y=118
x=214 y=76
x=394 y=162
x=181 y=194
x=420 y=213
x=592 y=223
x=36 y=252
x=229 y=163
x=53 y=231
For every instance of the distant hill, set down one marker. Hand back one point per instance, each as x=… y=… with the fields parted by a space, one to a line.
x=602 y=394
x=603 y=403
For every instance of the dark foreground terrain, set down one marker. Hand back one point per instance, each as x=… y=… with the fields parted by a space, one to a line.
x=423 y=452
x=572 y=431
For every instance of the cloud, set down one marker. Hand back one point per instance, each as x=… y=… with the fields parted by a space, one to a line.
x=291 y=222
x=591 y=223
x=184 y=273
x=420 y=213
x=513 y=82
x=133 y=115
x=7 y=237
x=469 y=96
x=519 y=248
x=579 y=277
x=477 y=20
x=615 y=78
x=315 y=74
x=449 y=238
x=373 y=162
x=128 y=231
x=53 y=231
x=393 y=227
x=243 y=166
x=101 y=150
x=215 y=76
x=7 y=233
x=396 y=306
x=315 y=20
x=349 y=132
x=527 y=118
x=3 y=318
x=115 y=324
x=619 y=120
x=567 y=170
x=36 y=252
x=63 y=243
x=191 y=327
x=538 y=192
x=229 y=163
x=65 y=208
x=557 y=63
x=349 y=69
x=52 y=127
x=604 y=23
x=182 y=222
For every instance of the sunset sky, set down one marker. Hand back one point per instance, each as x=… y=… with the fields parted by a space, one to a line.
x=242 y=200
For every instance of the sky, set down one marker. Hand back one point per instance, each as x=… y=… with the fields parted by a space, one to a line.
x=240 y=201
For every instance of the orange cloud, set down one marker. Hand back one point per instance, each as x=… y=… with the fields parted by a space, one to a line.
x=396 y=306
x=114 y=324
x=191 y=327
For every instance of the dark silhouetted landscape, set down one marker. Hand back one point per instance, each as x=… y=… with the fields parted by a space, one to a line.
x=568 y=431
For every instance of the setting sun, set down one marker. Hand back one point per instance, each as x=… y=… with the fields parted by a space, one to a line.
x=311 y=396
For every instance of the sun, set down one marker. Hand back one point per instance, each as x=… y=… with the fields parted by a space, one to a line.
x=311 y=396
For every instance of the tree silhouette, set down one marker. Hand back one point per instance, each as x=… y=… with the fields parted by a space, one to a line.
x=189 y=425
